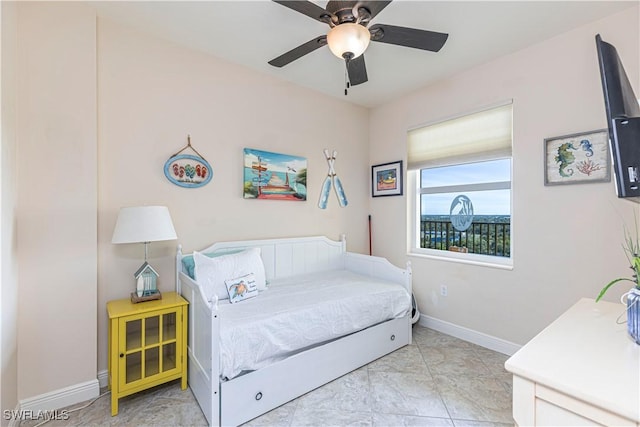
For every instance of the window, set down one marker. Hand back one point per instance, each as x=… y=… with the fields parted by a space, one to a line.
x=462 y=175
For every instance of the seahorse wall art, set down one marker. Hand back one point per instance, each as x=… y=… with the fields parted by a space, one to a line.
x=587 y=146
x=564 y=158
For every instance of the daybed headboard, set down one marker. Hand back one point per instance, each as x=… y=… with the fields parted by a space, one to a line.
x=287 y=256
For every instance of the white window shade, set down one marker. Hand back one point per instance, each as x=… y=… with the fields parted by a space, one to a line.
x=476 y=137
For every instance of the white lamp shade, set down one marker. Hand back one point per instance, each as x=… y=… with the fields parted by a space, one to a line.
x=143 y=224
x=348 y=38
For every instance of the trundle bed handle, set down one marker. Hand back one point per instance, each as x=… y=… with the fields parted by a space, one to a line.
x=259 y=395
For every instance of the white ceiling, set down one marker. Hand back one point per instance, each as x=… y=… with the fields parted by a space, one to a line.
x=251 y=33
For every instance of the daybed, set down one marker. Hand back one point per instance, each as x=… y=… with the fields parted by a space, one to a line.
x=311 y=325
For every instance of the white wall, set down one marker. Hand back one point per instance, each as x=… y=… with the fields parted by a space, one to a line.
x=57 y=197
x=98 y=115
x=151 y=94
x=8 y=260
x=566 y=239
x=99 y=111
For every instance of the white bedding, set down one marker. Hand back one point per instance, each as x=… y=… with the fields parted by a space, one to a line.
x=298 y=312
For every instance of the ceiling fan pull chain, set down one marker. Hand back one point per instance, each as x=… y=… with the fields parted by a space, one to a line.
x=347 y=85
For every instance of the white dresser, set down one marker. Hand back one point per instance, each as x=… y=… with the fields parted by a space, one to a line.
x=582 y=370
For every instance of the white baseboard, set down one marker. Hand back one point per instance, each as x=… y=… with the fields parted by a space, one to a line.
x=61 y=398
x=103 y=378
x=466 y=334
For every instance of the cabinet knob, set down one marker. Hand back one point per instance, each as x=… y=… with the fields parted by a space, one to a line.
x=393 y=337
x=121 y=354
x=259 y=395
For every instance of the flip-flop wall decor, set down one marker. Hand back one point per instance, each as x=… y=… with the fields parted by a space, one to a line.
x=188 y=170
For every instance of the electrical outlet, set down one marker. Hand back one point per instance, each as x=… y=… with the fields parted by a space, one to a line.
x=444 y=291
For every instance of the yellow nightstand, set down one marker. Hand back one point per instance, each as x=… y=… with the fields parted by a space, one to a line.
x=147 y=344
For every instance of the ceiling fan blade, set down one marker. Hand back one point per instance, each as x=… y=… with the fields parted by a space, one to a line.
x=410 y=37
x=299 y=51
x=307 y=8
x=357 y=70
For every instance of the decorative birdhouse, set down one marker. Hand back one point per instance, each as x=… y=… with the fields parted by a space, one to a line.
x=146 y=282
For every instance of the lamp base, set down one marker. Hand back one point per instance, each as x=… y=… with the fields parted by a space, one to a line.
x=154 y=296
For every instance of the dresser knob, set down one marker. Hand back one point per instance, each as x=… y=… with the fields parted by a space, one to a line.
x=393 y=337
x=259 y=395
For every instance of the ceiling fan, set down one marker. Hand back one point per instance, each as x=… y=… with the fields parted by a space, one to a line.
x=349 y=36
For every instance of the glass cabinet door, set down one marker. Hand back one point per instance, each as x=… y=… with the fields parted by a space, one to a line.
x=133 y=347
x=169 y=356
x=150 y=346
x=168 y=341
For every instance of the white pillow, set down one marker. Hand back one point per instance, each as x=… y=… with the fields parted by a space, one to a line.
x=211 y=273
x=242 y=288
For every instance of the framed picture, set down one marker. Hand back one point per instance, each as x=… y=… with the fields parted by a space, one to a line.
x=577 y=158
x=386 y=179
x=274 y=176
x=188 y=171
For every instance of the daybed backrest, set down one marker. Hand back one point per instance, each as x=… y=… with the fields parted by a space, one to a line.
x=290 y=256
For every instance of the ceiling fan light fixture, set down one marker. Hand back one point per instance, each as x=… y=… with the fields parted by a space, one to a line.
x=348 y=39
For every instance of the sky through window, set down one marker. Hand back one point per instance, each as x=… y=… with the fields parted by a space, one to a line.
x=486 y=202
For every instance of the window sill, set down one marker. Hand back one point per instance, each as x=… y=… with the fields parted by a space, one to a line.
x=470 y=259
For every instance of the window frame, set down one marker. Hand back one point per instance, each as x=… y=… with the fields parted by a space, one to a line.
x=414 y=215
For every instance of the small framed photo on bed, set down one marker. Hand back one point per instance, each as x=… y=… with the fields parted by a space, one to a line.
x=386 y=179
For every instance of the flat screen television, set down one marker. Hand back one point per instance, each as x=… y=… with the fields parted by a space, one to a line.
x=623 y=121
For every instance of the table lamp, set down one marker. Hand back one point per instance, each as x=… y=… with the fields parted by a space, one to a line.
x=144 y=224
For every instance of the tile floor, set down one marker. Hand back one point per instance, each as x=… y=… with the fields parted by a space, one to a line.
x=439 y=380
